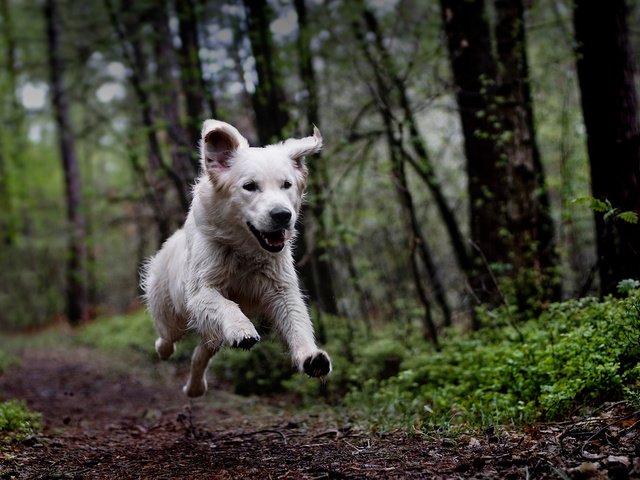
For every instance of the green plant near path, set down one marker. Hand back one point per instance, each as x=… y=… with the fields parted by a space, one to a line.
x=17 y=421
x=575 y=355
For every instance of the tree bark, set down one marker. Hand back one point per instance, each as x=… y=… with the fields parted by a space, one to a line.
x=418 y=246
x=77 y=304
x=200 y=103
x=134 y=56
x=316 y=245
x=182 y=144
x=269 y=101
x=606 y=69
x=475 y=80
x=531 y=229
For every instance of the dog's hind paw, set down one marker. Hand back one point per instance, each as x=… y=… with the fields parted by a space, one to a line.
x=195 y=389
x=246 y=343
x=164 y=348
x=317 y=365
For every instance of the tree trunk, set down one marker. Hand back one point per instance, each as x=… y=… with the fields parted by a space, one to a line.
x=531 y=229
x=475 y=79
x=316 y=250
x=422 y=161
x=183 y=146
x=200 y=102
x=418 y=246
x=77 y=305
x=606 y=70
x=269 y=101
x=134 y=56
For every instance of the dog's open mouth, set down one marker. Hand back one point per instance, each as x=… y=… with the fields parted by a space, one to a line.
x=270 y=241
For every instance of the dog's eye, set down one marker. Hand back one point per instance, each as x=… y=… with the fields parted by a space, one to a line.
x=286 y=185
x=250 y=186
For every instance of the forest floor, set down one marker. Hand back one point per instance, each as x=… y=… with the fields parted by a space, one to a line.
x=108 y=417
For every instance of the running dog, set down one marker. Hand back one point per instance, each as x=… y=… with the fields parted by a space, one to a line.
x=232 y=259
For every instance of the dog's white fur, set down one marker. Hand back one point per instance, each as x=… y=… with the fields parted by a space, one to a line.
x=218 y=270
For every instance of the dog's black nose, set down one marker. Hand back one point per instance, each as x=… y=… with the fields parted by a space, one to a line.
x=280 y=216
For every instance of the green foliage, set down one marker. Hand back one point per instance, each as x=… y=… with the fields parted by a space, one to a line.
x=574 y=355
x=6 y=360
x=262 y=370
x=133 y=331
x=627 y=286
x=605 y=207
x=17 y=421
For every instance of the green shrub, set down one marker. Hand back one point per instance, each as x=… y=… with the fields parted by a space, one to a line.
x=259 y=371
x=6 y=360
x=133 y=331
x=574 y=355
x=17 y=421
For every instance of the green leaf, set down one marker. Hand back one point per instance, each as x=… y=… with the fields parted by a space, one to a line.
x=628 y=216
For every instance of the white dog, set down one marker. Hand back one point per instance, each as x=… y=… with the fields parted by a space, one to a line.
x=232 y=258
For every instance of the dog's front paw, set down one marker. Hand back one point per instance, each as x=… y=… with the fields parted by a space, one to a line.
x=246 y=343
x=317 y=365
x=243 y=338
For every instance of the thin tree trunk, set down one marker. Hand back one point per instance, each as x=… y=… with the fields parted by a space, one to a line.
x=15 y=117
x=422 y=162
x=77 y=305
x=316 y=249
x=132 y=51
x=182 y=146
x=398 y=157
x=606 y=69
x=269 y=101
x=200 y=103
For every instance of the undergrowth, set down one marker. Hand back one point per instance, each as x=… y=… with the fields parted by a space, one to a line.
x=17 y=421
x=575 y=355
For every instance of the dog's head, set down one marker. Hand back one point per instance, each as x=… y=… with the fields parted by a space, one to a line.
x=262 y=188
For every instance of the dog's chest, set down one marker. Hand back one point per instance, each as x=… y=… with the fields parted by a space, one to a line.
x=245 y=283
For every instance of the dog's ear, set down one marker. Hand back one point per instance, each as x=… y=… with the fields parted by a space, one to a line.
x=219 y=143
x=299 y=148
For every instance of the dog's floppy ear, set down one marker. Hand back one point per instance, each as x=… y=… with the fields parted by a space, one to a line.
x=219 y=143
x=299 y=148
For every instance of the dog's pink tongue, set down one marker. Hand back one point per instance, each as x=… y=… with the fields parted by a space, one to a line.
x=274 y=239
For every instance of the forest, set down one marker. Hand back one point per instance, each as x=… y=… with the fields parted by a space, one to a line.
x=469 y=247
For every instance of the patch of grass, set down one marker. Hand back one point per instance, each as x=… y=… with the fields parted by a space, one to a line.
x=132 y=332
x=575 y=355
x=6 y=360
x=17 y=421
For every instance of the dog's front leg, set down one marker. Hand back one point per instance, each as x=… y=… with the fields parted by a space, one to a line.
x=219 y=320
x=294 y=325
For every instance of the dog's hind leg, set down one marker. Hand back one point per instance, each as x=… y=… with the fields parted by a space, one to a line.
x=170 y=327
x=197 y=384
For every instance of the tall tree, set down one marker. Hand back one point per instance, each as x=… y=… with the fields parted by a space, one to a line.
x=200 y=103
x=475 y=78
x=128 y=27
x=606 y=70
x=77 y=304
x=385 y=87
x=10 y=111
x=269 y=100
x=315 y=249
x=530 y=224
x=510 y=228
x=183 y=144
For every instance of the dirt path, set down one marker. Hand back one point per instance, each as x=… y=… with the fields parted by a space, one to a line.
x=106 y=419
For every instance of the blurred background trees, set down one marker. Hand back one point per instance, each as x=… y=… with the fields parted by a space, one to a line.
x=456 y=147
